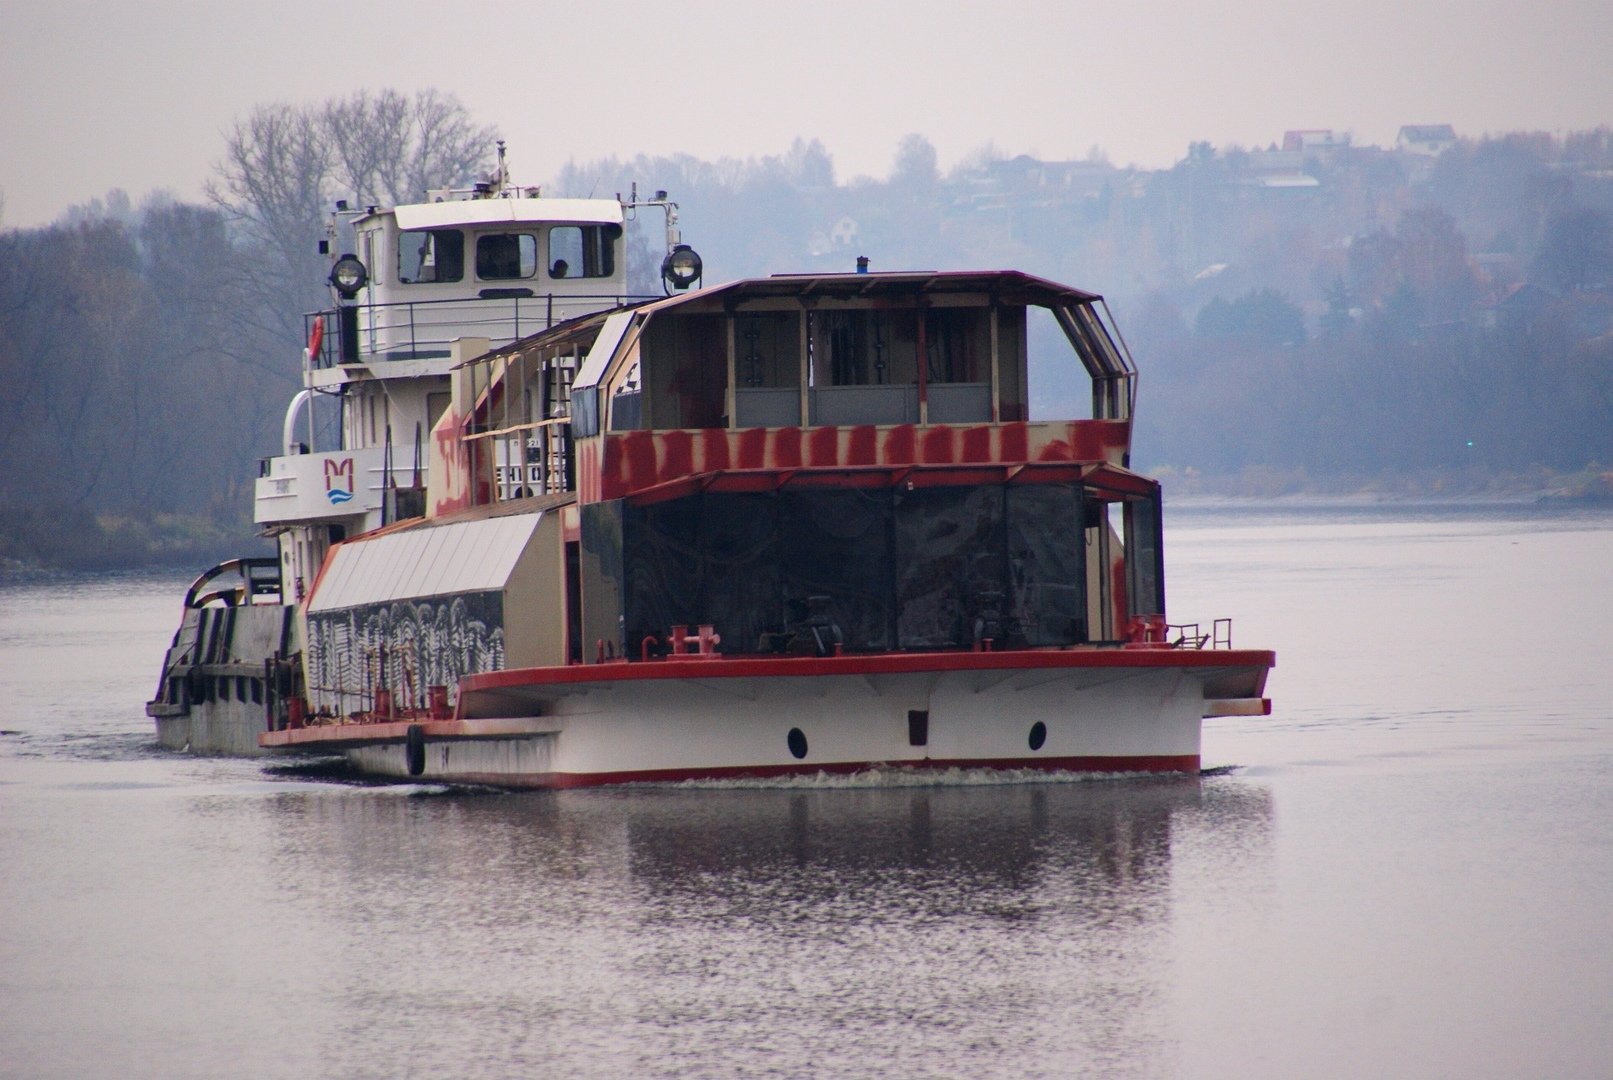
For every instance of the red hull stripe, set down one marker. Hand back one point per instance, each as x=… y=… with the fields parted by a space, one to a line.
x=880 y=664
x=1177 y=763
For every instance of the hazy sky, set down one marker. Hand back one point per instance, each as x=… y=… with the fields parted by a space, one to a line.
x=97 y=96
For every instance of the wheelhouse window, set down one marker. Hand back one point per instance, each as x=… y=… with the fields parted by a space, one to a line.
x=506 y=256
x=426 y=256
x=583 y=251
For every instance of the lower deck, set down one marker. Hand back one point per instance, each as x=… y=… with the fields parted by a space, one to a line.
x=1108 y=710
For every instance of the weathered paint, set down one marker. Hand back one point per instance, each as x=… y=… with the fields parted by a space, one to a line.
x=450 y=466
x=617 y=464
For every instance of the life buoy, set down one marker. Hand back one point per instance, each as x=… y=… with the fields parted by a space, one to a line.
x=316 y=338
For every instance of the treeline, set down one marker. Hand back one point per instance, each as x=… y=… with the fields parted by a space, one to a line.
x=1328 y=317
x=147 y=353
x=1322 y=317
x=129 y=383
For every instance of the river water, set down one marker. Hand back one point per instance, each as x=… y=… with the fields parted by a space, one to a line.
x=1406 y=871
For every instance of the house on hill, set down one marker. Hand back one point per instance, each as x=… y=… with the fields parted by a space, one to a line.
x=1426 y=140
x=1314 y=139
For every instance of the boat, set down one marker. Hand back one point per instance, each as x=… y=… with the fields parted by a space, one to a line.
x=788 y=525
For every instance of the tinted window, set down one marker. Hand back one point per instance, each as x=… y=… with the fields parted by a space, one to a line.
x=431 y=255
x=583 y=251
x=506 y=256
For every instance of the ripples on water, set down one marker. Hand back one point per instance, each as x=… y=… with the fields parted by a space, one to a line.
x=1406 y=871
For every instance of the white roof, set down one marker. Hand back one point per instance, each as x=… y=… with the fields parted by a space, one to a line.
x=603 y=348
x=502 y=211
x=429 y=560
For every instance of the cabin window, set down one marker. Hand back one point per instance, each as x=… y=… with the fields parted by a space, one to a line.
x=1145 y=561
x=627 y=400
x=584 y=411
x=431 y=255
x=506 y=256
x=583 y=251
x=931 y=568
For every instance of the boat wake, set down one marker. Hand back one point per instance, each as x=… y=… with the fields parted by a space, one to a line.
x=897 y=777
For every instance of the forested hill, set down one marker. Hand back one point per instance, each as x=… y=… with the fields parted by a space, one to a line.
x=1313 y=315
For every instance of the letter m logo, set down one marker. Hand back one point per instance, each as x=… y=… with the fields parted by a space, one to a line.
x=338 y=480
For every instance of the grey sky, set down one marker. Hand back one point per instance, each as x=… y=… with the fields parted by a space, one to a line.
x=96 y=96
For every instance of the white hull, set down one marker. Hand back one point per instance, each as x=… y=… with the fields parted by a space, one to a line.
x=689 y=727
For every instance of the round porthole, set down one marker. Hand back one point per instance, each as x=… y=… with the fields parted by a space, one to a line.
x=796 y=740
x=1038 y=735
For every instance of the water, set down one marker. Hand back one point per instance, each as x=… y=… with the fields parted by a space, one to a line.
x=1407 y=871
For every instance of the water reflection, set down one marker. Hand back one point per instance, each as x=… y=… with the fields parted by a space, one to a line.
x=1021 y=929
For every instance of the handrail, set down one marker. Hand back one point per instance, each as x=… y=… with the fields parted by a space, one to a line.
x=414 y=321
x=250 y=585
x=553 y=421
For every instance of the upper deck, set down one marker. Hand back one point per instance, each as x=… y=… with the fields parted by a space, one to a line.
x=793 y=372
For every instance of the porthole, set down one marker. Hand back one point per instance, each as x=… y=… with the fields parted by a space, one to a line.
x=797 y=743
x=1038 y=735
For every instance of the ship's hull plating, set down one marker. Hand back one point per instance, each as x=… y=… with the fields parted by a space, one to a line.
x=690 y=726
x=224 y=728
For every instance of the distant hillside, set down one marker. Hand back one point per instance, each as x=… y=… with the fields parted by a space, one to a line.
x=1312 y=308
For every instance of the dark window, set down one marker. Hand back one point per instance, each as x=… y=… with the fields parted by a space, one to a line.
x=583 y=251
x=1047 y=602
x=506 y=256
x=810 y=569
x=1145 y=561
x=950 y=565
x=585 y=411
x=431 y=255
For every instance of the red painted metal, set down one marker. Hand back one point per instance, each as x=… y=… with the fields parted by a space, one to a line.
x=872 y=664
x=617 y=464
x=1099 y=477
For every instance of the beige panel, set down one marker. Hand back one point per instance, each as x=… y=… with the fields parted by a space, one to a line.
x=534 y=601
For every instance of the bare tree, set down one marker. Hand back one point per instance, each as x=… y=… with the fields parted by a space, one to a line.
x=272 y=186
x=445 y=147
x=388 y=148
x=284 y=165
x=369 y=137
x=915 y=166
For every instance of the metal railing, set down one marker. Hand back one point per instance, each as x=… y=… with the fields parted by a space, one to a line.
x=1192 y=636
x=424 y=329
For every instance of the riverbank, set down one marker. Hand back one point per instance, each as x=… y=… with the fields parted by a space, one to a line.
x=37 y=540
x=40 y=540
x=1594 y=483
